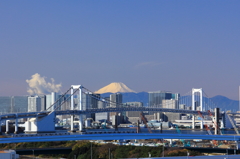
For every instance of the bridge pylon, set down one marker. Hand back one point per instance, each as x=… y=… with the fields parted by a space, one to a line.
x=199 y=90
x=79 y=87
x=16 y=125
x=7 y=126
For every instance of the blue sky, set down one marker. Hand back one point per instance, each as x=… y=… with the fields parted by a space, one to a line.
x=147 y=45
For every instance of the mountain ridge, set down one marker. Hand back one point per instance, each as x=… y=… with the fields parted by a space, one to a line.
x=220 y=101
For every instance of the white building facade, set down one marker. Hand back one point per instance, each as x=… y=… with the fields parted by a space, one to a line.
x=34 y=104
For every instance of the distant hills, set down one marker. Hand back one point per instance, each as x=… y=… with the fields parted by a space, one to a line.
x=225 y=103
x=219 y=101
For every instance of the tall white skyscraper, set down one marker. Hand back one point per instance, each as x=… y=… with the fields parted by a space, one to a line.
x=50 y=100
x=34 y=104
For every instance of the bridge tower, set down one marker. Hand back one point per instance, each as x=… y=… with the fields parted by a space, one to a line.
x=79 y=87
x=199 y=90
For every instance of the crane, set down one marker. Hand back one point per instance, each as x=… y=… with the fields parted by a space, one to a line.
x=183 y=141
x=215 y=124
x=206 y=127
x=145 y=122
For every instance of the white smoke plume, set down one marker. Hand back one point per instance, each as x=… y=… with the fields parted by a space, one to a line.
x=39 y=86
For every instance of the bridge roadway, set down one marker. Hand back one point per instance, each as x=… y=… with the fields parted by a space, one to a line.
x=115 y=136
x=99 y=110
x=68 y=150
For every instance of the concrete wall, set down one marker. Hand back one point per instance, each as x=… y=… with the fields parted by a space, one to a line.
x=45 y=124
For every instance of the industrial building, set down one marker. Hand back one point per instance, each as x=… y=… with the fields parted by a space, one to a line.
x=132 y=116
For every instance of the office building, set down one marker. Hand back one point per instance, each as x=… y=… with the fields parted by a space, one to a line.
x=34 y=104
x=20 y=104
x=43 y=102
x=48 y=101
x=65 y=102
x=170 y=103
x=163 y=99
x=5 y=105
x=55 y=102
x=89 y=100
x=13 y=104
x=116 y=100
x=155 y=98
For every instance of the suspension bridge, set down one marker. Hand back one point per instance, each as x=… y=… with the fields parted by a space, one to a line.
x=45 y=120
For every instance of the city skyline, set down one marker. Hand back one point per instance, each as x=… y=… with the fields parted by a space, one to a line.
x=147 y=45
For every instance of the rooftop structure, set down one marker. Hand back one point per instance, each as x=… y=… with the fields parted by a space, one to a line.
x=8 y=154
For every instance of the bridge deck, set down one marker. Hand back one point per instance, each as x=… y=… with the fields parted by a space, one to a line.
x=117 y=136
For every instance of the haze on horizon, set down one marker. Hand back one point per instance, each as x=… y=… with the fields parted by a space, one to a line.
x=147 y=45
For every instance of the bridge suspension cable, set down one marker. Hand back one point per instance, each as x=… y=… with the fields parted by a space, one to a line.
x=211 y=105
x=99 y=98
x=58 y=99
x=65 y=101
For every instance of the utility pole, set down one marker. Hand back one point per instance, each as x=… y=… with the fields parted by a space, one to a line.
x=163 y=147
x=33 y=154
x=91 y=150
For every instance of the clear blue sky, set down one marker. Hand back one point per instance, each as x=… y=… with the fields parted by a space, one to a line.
x=148 y=45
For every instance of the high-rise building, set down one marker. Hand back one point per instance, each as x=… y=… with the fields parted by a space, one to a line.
x=43 y=102
x=66 y=102
x=116 y=100
x=34 y=104
x=163 y=99
x=89 y=100
x=54 y=98
x=13 y=104
x=48 y=101
x=20 y=104
x=5 y=104
x=155 y=98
